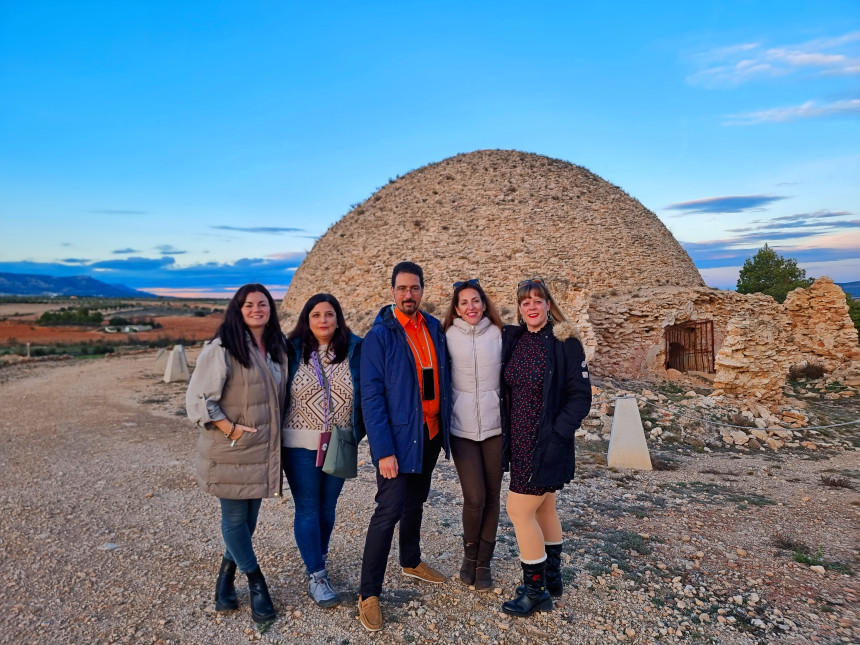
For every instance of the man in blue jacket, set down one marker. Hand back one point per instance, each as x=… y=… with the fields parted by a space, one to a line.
x=406 y=404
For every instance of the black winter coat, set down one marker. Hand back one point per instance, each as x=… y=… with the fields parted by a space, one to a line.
x=566 y=402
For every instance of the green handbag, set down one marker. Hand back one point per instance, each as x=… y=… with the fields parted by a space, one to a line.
x=341 y=459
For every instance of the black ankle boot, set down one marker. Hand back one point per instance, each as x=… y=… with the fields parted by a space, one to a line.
x=534 y=597
x=225 y=587
x=467 y=569
x=483 y=578
x=262 y=609
x=553 y=570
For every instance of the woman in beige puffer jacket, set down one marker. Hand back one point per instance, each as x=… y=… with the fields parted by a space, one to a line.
x=473 y=331
x=237 y=396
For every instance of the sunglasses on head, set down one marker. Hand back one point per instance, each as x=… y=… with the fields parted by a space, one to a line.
x=469 y=283
x=523 y=283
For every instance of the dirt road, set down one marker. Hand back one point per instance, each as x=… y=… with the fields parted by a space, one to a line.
x=105 y=538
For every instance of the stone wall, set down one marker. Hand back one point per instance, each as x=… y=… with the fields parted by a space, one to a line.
x=613 y=267
x=756 y=339
x=820 y=325
x=629 y=328
x=752 y=361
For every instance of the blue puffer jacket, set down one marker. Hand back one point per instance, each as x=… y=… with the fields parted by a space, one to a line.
x=294 y=352
x=391 y=397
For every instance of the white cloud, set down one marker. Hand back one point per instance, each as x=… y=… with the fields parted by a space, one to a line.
x=848 y=240
x=736 y=64
x=797 y=58
x=809 y=110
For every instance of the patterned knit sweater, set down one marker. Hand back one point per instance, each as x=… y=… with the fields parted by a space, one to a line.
x=306 y=417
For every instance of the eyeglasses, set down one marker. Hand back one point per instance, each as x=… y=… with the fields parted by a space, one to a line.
x=469 y=283
x=404 y=290
x=523 y=283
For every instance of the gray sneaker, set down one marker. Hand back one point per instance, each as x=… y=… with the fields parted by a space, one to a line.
x=319 y=588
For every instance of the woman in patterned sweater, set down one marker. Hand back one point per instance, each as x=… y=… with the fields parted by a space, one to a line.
x=323 y=393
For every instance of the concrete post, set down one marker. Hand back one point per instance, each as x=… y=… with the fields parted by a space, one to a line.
x=177 y=366
x=627 y=445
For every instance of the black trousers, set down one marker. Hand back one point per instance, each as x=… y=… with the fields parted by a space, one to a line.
x=397 y=500
x=479 y=467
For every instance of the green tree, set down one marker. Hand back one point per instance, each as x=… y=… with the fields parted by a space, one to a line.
x=854 y=312
x=770 y=273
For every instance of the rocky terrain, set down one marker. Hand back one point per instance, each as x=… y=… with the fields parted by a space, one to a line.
x=106 y=538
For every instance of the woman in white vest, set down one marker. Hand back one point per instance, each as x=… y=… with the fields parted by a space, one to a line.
x=473 y=330
x=237 y=396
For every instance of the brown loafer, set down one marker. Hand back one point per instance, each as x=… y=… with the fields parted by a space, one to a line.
x=369 y=613
x=424 y=572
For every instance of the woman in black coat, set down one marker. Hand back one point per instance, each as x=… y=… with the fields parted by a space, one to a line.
x=546 y=393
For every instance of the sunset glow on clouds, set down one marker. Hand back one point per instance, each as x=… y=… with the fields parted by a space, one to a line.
x=144 y=147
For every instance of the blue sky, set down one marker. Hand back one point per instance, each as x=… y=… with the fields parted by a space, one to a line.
x=192 y=146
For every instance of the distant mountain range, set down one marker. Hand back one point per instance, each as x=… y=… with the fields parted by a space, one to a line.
x=20 y=284
x=851 y=288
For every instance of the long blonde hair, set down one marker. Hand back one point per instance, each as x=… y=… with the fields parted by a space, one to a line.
x=538 y=286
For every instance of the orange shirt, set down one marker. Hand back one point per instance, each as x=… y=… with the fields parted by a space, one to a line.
x=424 y=353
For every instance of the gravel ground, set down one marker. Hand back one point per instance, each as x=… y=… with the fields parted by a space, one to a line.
x=106 y=538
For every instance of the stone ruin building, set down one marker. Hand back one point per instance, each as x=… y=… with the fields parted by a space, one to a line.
x=641 y=305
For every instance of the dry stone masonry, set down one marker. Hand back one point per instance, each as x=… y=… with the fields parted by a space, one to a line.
x=503 y=216
x=498 y=215
x=822 y=329
x=751 y=361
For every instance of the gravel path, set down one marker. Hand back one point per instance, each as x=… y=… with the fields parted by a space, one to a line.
x=106 y=538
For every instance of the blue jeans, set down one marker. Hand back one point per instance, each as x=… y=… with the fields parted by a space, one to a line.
x=315 y=496
x=238 y=521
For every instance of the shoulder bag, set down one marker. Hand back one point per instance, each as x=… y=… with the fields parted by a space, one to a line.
x=341 y=458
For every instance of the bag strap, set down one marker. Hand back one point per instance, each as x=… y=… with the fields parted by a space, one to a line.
x=323 y=380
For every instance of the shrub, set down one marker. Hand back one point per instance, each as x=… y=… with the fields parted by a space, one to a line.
x=836 y=481
x=737 y=419
x=810 y=371
x=854 y=312
x=70 y=316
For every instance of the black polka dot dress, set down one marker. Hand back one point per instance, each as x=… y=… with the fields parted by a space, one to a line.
x=524 y=376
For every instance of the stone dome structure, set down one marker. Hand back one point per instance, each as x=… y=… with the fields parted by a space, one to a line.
x=613 y=267
x=501 y=216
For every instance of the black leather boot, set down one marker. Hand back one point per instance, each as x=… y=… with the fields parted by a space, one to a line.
x=467 y=569
x=534 y=597
x=553 y=570
x=483 y=578
x=262 y=609
x=225 y=587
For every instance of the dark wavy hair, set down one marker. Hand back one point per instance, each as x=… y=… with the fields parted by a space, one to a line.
x=232 y=331
x=340 y=341
x=490 y=310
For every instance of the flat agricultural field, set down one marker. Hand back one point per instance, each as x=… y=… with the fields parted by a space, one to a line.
x=176 y=319
x=191 y=328
x=25 y=310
